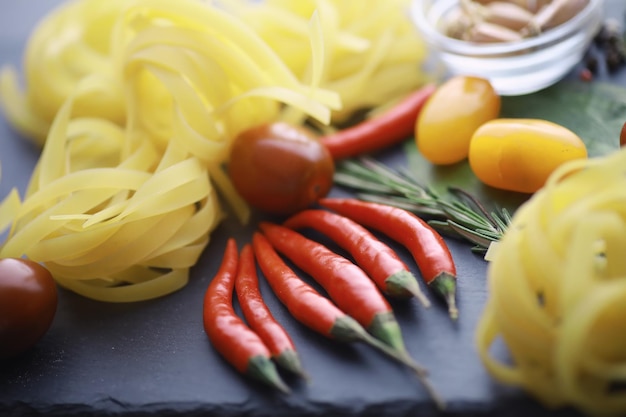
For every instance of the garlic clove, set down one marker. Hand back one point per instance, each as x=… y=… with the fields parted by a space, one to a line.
x=457 y=23
x=558 y=12
x=508 y=20
x=472 y=10
x=489 y=33
x=508 y=15
x=532 y=6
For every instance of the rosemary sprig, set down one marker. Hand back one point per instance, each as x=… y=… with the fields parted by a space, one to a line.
x=458 y=213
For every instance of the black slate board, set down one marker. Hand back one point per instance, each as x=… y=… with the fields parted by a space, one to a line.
x=153 y=358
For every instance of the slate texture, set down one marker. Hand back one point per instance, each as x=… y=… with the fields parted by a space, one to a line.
x=153 y=358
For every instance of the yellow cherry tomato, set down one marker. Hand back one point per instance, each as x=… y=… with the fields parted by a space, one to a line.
x=520 y=154
x=449 y=118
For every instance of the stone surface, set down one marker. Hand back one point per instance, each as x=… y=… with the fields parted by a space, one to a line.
x=153 y=358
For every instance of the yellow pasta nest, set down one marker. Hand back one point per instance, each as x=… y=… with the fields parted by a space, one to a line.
x=367 y=52
x=372 y=54
x=136 y=104
x=138 y=114
x=557 y=291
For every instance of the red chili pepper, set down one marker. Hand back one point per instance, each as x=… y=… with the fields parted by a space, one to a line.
x=303 y=302
x=382 y=131
x=230 y=336
x=345 y=282
x=311 y=308
x=318 y=313
x=430 y=251
x=376 y=258
x=260 y=318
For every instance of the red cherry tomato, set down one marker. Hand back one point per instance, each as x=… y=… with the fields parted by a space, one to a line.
x=279 y=168
x=622 y=136
x=28 y=303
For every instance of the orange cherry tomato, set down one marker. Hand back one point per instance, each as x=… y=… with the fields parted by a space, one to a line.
x=28 y=302
x=279 y=168
x=520 y=154
x=449 y=118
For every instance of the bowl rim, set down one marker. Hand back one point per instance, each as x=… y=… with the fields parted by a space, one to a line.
x=435 y=37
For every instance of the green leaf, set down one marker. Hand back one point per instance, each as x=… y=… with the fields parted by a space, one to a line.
x=594 y=111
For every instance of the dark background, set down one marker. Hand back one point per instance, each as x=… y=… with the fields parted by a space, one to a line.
x=154 y=358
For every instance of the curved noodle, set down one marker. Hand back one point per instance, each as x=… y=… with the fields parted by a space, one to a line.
x=69 y=44
x=557 y=291
x=372 y=52
x=138 y=118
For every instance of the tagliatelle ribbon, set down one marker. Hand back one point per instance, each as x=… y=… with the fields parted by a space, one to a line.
x=120 y=208
x=557 y=291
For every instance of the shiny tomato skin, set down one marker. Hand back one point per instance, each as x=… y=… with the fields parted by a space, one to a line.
x=28 y=303
x=521 y=154
x=279 y=168
x=451 y=115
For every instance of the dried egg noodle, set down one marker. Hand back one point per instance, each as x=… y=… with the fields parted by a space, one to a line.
x=557 y=291
x=121 y=205
x=369 y=53
x=372 y=55
x=68 y=44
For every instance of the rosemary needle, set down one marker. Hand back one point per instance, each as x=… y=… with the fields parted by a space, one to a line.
x=457 y=214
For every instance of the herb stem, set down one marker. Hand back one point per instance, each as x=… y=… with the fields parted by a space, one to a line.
x=458 y=212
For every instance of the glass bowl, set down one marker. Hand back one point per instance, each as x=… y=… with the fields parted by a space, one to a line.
x=513 y=68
